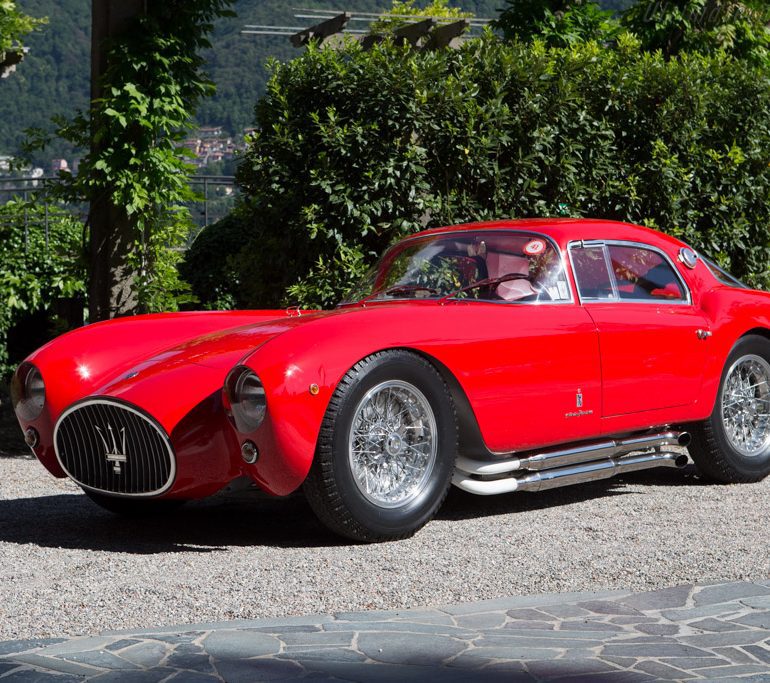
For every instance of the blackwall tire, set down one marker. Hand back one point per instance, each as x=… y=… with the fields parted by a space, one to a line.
x=733 y=444
x=386 y=450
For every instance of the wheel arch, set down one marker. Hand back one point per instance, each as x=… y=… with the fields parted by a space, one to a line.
x=288 y=453
x=726 y=341
x=471 y=443
x=758 y=331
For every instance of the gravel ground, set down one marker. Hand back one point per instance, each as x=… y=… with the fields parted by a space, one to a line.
x=68 y=568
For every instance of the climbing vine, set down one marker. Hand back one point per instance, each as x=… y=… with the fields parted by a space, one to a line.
x=150 y=88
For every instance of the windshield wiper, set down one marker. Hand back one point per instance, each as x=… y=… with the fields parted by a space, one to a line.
x=486 y=282
x=399 y=289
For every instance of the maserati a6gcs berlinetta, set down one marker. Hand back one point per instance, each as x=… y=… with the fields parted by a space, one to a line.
x=498 y=357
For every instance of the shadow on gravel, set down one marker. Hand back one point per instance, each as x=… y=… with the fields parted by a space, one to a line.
x=73 y=521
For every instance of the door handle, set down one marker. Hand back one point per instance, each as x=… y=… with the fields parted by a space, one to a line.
x=703 y=334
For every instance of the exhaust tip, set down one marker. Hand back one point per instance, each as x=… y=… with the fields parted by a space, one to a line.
x=681 y=461
x=684 y=439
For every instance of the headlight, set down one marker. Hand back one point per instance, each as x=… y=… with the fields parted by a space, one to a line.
x=245 y=399
x=27 y=392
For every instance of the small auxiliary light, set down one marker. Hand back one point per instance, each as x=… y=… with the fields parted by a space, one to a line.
x=31 y=437
x=249 y=452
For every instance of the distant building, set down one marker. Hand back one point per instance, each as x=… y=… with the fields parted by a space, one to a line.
x=210 y=145
x=208 y=132
x=59 y=165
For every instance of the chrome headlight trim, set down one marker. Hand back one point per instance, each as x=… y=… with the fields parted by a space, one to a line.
x=28 y=392
x=245 y=399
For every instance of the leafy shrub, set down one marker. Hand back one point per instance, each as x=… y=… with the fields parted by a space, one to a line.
x=210 y=264
x=556 y=22
x=356 y=149
x=739 y=28
x=36 y=272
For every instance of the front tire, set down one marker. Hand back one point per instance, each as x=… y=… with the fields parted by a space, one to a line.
x=733 y=444
x=386 y=449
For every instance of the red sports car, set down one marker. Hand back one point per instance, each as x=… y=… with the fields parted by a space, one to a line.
x=504 y=356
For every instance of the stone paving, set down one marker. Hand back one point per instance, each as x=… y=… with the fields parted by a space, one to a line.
x=709 y=631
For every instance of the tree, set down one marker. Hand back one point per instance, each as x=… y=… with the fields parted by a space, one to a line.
x=14 y=25
x=556 y=22
x=674 y=26
x=146 y=82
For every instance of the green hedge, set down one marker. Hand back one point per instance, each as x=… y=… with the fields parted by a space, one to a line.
x=355 y=149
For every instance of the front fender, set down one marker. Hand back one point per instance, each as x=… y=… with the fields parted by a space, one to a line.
x=166 y=365
x=301 y=368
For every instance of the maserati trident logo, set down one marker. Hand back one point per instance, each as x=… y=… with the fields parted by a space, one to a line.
x=117 y=456
x=579 y=405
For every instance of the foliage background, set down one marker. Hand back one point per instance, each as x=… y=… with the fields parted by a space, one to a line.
x=135 y=128
x=14 y=26
x=55 y=76
x=35 y=271
x=355 y=149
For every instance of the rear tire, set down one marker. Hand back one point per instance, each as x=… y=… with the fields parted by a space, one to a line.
x=386 y=450
x=733 y=444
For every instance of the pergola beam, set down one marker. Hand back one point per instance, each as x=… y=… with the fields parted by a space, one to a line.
x=320 y=32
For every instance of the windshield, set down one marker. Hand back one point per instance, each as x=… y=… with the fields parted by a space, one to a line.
x=492 y=266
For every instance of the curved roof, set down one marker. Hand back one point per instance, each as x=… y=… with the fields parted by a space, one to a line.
x=564 y=230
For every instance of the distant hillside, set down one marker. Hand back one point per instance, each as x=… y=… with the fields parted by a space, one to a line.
x=54 y=79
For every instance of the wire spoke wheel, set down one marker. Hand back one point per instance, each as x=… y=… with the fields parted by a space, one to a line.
x=392 y=444
x=733 y=444
x=746 y=405
x=386 y=451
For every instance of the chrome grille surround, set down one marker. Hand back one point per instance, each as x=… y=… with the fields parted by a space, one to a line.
x=111 y=447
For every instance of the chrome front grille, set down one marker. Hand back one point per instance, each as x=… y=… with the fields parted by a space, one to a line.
x=108 y=446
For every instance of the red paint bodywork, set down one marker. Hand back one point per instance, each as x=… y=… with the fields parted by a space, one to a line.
x=518 y=367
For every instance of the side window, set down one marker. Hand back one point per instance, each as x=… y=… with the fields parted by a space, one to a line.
x=591 y=272
x=644 y=274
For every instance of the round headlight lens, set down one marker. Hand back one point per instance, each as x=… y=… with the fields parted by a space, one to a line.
x=246 y=397
x=28 y=392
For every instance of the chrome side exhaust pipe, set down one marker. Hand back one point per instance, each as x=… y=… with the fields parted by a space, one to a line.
x=572 y=456
x=565 y=476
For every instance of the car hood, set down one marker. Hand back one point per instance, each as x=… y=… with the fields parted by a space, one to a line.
x=164 y=364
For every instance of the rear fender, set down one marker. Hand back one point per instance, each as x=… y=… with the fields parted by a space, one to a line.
x=731 y=316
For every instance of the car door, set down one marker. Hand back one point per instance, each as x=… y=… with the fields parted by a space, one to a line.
x=651 y=337
x=529 y=355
